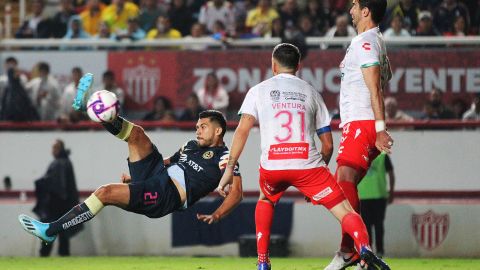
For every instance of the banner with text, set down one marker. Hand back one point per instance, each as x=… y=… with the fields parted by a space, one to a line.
x=175 y=74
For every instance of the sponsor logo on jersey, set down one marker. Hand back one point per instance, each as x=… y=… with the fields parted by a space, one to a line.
x=275 y=95
x=357 y=133
x=294 y=96
x=366 y=46
x=207 y=155
x=322 y=194
x=288 y=151
x=184 y=159
x=430 y=229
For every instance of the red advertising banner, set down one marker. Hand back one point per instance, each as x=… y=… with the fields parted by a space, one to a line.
x=175 y=74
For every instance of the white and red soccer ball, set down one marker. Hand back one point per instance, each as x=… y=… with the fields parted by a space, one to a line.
x=103 y=106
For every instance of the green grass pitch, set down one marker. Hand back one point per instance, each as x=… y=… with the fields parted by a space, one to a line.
x=207 y=263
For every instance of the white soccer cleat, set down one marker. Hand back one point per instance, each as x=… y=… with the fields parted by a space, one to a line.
x=343 y=260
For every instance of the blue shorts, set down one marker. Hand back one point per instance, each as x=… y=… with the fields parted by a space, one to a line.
x=152 y=192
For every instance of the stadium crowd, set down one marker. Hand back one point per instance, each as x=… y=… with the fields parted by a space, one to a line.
x=220 y=19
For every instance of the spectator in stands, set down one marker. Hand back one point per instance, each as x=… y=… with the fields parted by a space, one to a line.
x=11 y=62
x=193 y=108
x=318 y=15
x=392 y=112
x=180 y=16
x=67 y=113
x=92 y=17
x=104 y=31
x=408 y=11
x=37 y=24
x=396 y=28
x=277 y=29
x=337 y=8
x=342 y=28
x=56 y=192
x=213 y=95
x=425 y=25
x=474 y=112
x=219 y=31
x=75 y=29
x=7 y=183
x=61 y=20
x=15 y=104
x=133 y=32
x=163 y=30
x=446 y=13
x=439 y=109
x=459 y=28
x=197 y=31
x=117 y=13
x=45 y=93
x=160 y=107
x=218 y=10
x=459 y=107
x=110 y=84
x=259 y=20
x=149 y=13
x=289 y=13
x=307 y=28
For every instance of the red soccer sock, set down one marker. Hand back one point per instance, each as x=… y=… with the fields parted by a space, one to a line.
x=353 y=224
x=351 y=193
x=263 y=222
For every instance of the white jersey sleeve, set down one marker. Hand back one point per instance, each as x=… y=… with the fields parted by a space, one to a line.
x=366 y=52
x=322 y=116
x=249 y=105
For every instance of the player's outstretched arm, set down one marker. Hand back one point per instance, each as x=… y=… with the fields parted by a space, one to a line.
x=234 y=197
x=371 y=76
x=238 y=143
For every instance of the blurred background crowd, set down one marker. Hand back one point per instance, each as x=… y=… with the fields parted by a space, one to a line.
x=42 y=98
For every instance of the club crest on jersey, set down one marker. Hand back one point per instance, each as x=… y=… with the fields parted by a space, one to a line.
x=207 y=155
x=275 y=95
x=366 y=46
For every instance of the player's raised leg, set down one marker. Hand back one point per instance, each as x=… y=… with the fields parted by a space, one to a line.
x=139 y=144
x=111 y=194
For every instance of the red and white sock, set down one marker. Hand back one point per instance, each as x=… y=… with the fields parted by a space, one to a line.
x=263 y=222
x=351 y=193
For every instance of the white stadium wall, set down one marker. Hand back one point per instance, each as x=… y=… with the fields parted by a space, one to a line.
x=315 y=232
x=423 y=160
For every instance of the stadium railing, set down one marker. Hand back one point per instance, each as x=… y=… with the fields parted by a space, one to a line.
x=231 y=125
x=22 y=44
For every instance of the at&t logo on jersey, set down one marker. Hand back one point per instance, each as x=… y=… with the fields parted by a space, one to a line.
x=184 y=159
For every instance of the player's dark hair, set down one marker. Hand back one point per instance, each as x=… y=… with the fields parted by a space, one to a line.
x=42 y=66
x=108 y=74
x=215 y=116
x=287 y=55
x=77 y=70
x=377 y=8
x=11 y=59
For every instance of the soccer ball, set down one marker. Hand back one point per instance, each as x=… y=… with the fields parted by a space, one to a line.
x=103 y=106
